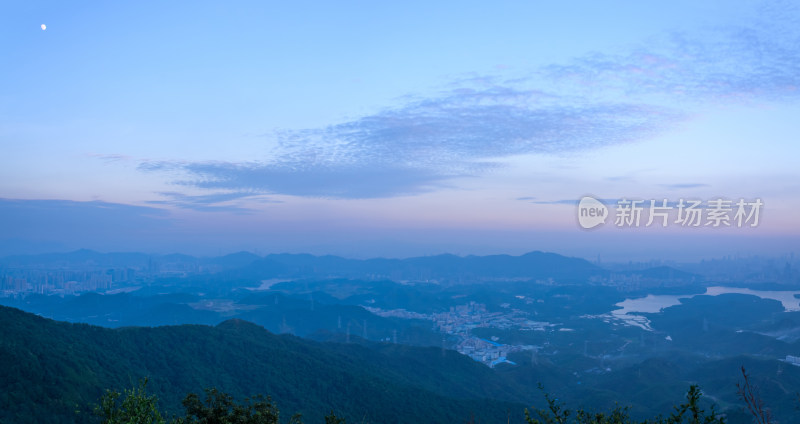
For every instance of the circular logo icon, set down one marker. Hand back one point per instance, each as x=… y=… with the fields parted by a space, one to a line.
x=591 y=212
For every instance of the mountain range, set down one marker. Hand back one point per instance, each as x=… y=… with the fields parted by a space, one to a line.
x=444 y=268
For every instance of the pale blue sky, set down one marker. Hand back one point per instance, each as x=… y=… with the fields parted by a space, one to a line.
x=375 y=129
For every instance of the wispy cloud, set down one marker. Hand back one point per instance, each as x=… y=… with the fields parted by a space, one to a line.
x=640 y=202
x=418 y=147
x=79 y=222
x=744 y=63
x=216 y=202
x=574 y=202
x=683 y=185
x=421 y=144
x=111 y=158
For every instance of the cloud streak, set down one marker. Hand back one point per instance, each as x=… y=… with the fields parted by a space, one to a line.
x=216 y=202
x=733 y=64
x=80 y=223
x=684 y=185
x=418 y=147
x=422 y=144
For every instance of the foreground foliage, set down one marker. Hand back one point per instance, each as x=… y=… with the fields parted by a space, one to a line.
x=137 y=407
x=688 y=413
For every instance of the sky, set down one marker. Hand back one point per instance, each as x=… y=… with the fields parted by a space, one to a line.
x=366 y=129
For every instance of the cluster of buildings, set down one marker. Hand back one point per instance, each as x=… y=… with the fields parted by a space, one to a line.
x=489 y=352
x=14 y=282
x=794 y=360
x=461 y=319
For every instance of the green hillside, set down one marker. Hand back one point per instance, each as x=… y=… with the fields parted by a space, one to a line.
x=52 y=369
x=54 y=372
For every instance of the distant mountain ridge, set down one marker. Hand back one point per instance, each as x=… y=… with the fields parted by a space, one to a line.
x=533 y=265
x=86 y=257
x=445 y=268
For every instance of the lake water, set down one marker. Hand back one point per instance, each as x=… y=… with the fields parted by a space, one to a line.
x=656 y=303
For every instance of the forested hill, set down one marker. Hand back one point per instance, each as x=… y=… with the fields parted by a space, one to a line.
x=53 y=372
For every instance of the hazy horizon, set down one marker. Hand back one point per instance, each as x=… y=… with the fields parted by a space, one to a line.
x=597 y=260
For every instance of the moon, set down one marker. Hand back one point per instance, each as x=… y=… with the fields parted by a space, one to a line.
x=44 y=27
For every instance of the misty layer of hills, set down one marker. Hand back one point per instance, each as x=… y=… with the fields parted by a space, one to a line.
x=244 y=265
x=439 y=268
